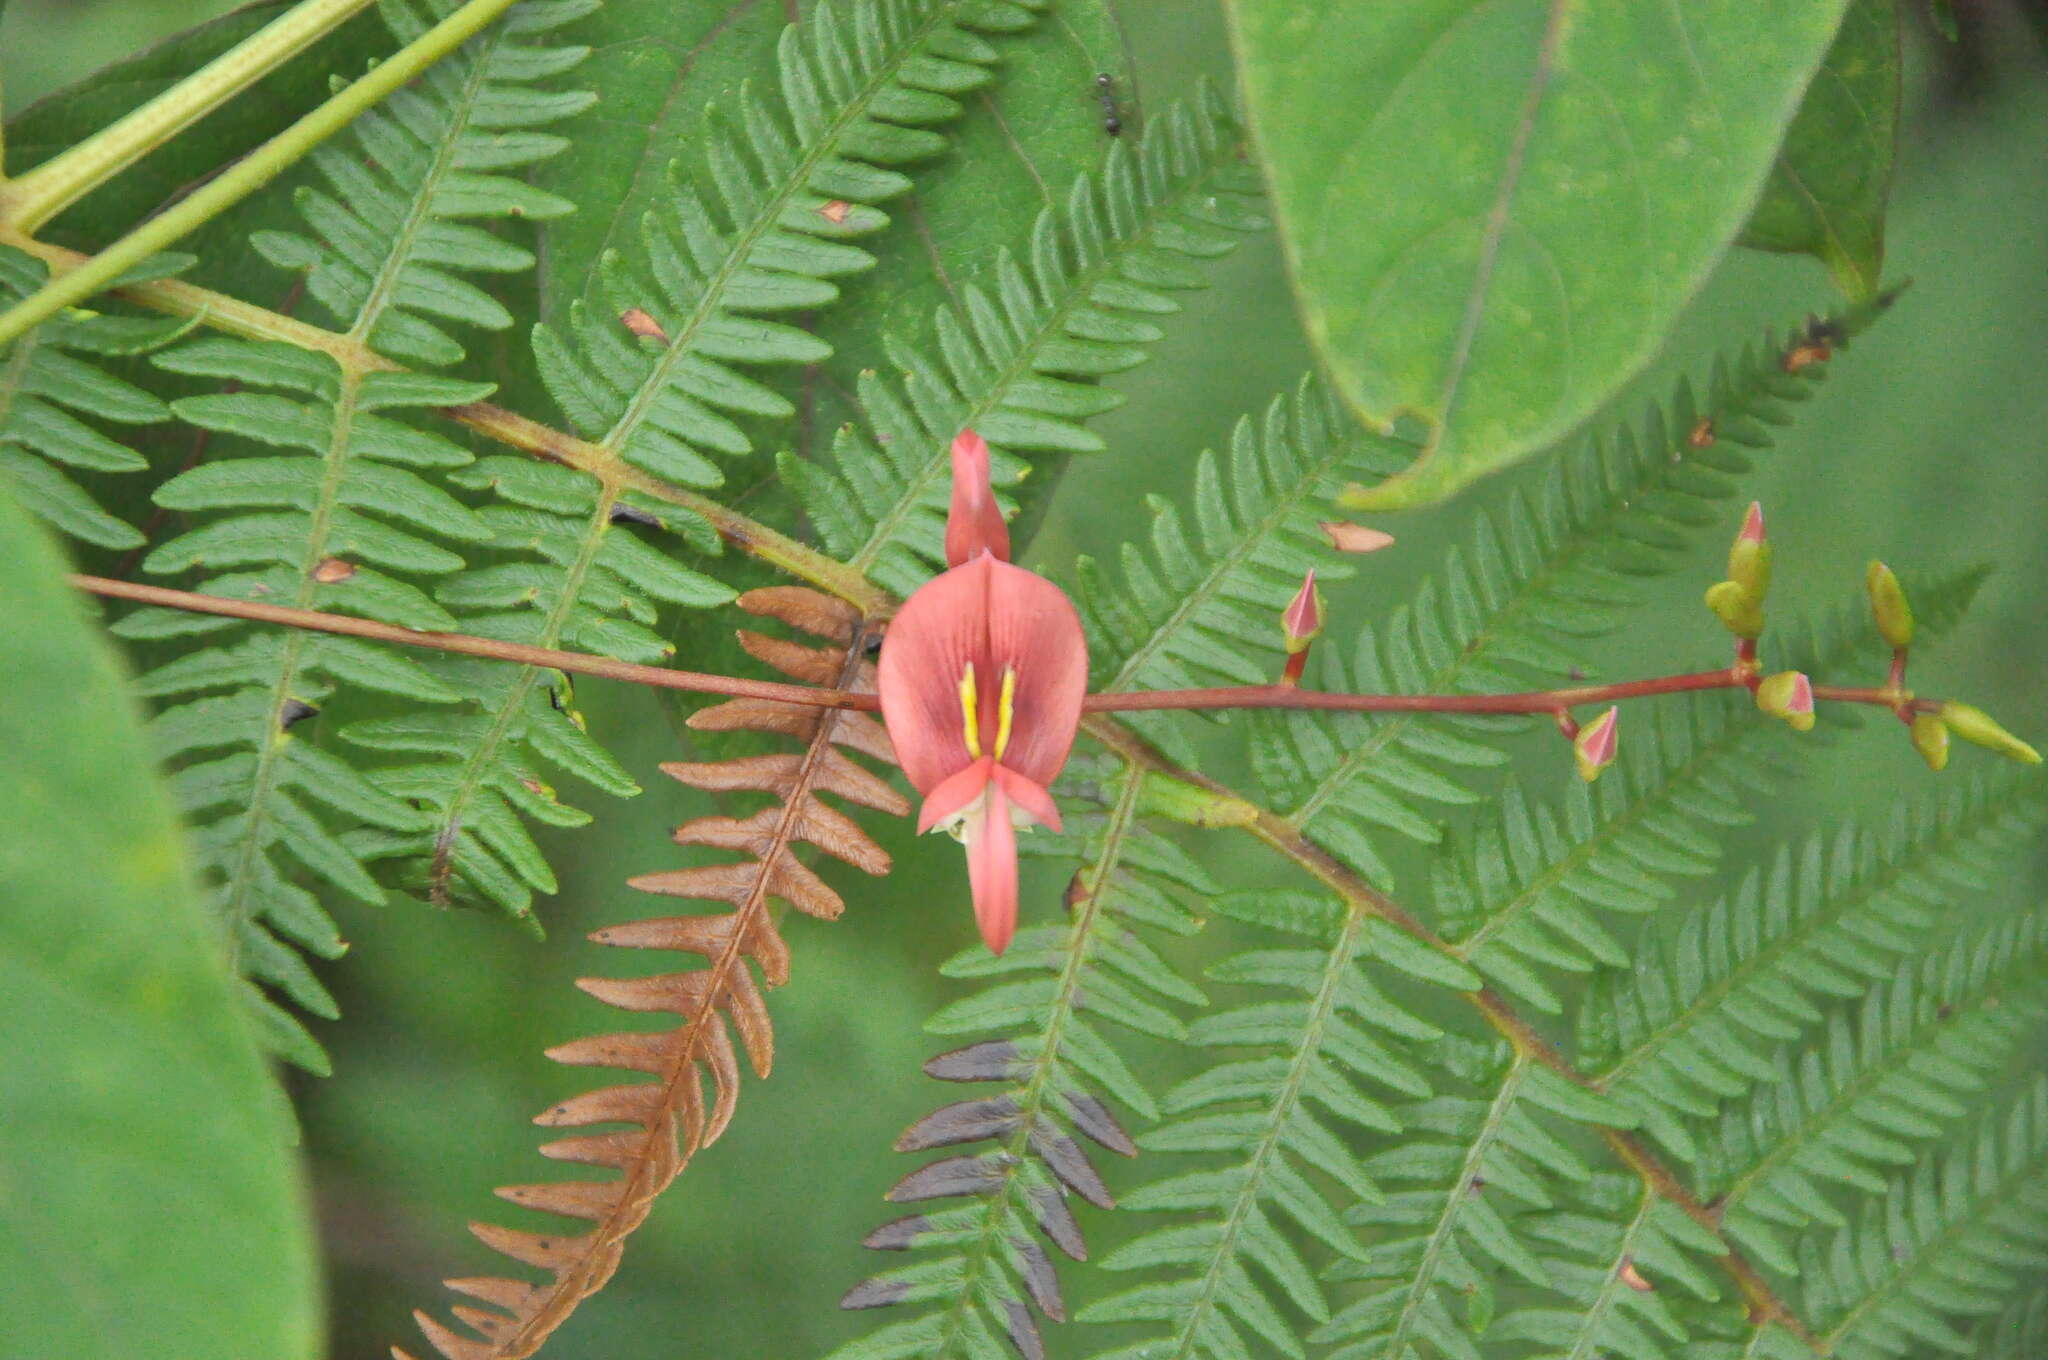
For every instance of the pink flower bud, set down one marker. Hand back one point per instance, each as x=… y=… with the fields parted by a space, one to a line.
x=1749 y=557
x=975 y=522
x=1596 y=744
x=1752 y=524
x=1788 y=695
x=1302 y=621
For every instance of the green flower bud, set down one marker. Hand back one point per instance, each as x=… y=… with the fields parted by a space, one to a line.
x=1888 y=606
x=1739 y=610
x=1749 y=558
x=1975 y=725
x=1930 y=739
x=1788 y=695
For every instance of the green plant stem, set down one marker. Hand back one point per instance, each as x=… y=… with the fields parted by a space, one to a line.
x=252 y=172
x=34 y=198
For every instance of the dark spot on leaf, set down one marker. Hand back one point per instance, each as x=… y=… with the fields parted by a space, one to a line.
x=622 y=513
x=294 y=711
x=643 y=325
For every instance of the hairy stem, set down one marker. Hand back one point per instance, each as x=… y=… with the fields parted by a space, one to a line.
x=249 y=174
x=32 y=199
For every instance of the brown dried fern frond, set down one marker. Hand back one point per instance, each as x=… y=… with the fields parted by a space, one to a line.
x=667 y=1120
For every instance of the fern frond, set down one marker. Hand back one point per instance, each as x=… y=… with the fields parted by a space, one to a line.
x=47 y=383
x=1021 y=358
x=1176 y=617
x=2018 y=1333
x=1504 y=615
x=764 y=230
x=1468 y=1174
x=1526 y=890
x=1949 y=1242
x=355 y=526
x=1823 y=921
x=1058 y=984
x=671 y=1117
x=1335 y=1064
x=1886 y=1080
x=1615 y=1259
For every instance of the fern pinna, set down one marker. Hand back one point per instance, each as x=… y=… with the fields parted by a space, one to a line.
x=671 y=1117
x=1421 y=1048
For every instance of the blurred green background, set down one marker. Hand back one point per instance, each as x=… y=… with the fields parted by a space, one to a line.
x=1928 y=444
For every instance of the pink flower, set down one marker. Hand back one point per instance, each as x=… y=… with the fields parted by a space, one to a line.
x=981 y=678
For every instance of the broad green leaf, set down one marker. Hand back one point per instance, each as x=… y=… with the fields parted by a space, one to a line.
x=1827 y=196
x=1494 y=212
x=149 y=1199
x=54 y=123
x=657 y=65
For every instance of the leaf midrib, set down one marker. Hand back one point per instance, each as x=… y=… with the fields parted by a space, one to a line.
x=1321 y=1007
x=1241 y=550
x=1982 y=818
x=271 y=740
x=709 y=305
x=1080 y=285
x=1065 y=1001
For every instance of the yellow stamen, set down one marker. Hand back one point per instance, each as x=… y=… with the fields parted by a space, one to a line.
x=970 y=714
x=1004 y=707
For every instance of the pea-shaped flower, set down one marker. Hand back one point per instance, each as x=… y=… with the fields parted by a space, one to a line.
x=981 y=679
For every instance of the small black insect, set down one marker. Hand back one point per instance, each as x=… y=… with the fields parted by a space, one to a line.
x=1112 y=115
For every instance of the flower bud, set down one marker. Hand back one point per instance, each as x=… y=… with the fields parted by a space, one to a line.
x=1888 y=606
x=1930 y=739
x=1749 y=558
x=1788 y=695
x=1596 y=744
x=1973 y=724
x=1740 y=611
x=1302 y=621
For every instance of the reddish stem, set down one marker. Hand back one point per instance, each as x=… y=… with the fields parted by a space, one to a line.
x=581 y=663
x=1551 y=701
x=1529 y=701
